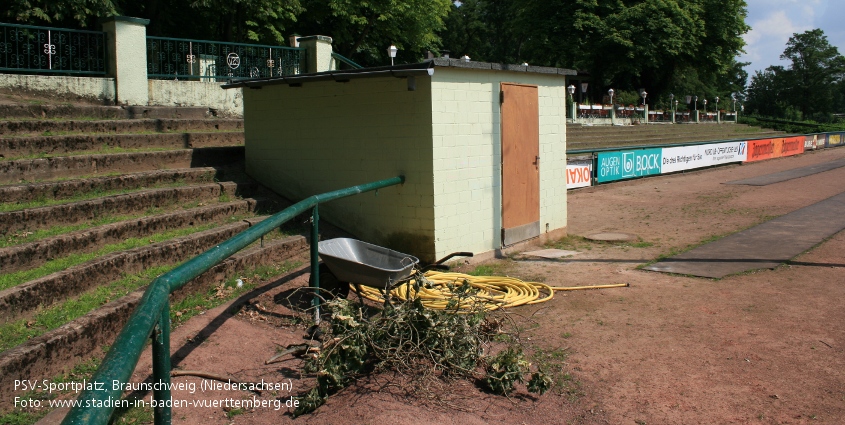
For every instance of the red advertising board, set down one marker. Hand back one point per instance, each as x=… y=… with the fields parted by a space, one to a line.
x=759 y=150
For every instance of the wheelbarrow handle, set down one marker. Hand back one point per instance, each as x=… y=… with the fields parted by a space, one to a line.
x=438 y=265
x=450 y=256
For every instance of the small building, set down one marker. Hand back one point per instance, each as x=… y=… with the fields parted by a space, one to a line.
x=482 y=147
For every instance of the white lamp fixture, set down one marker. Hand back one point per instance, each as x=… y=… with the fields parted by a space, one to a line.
x=465 y=58
x=610 y=93
x=392 y=52
x=644 y=94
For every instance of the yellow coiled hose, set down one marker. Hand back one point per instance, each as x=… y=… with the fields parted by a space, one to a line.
x=493 y=292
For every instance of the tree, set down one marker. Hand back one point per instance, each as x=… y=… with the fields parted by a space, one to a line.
x=679 y=46
x=815 y=71
x=363 y=31
x=766 y=93
x=65 y=12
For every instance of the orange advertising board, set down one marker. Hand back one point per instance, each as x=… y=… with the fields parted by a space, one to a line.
x=759 y=150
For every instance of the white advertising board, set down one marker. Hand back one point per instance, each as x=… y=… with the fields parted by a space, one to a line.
x=578 y=174
x=690 y=157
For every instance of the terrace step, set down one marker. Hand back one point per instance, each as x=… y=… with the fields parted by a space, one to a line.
x=68 y=111
x=38 y=127
x=69 y=188
x=23 y=170
x=51 y=145
x=76 y=212
x=33 y=254
x=21 y=300
x=57 y=351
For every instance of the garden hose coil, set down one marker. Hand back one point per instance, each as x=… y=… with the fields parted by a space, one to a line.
x=489 y=292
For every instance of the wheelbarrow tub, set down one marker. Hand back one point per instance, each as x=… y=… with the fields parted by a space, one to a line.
x=351 y=260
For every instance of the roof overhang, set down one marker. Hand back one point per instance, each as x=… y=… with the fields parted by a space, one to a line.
x=399 y=71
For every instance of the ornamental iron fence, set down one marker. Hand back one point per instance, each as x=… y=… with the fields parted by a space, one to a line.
x=172 y=58
x=38 y=50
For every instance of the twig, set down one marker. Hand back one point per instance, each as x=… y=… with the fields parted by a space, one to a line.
x=828 y=345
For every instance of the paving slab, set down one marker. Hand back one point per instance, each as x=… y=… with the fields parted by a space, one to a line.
x=766 y=245
x=551 y=254
x=791 y=174
x=612 y=237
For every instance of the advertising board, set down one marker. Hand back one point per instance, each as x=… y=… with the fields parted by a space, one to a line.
x=834 y=140
x=810 y=142
x=621 y=165
x=579 y=174
x=689 y=157
x=774 y=148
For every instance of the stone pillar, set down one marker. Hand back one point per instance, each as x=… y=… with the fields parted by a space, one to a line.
x=319 y=53
x=127 y=56
x=696 y=115
x=645 y=113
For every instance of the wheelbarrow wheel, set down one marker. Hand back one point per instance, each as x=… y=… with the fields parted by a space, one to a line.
x=330 y=286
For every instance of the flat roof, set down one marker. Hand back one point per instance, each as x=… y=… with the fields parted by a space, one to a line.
x=398 y=71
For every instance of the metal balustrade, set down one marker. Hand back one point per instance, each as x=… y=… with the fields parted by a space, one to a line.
x=48 y=50
x=181 y=59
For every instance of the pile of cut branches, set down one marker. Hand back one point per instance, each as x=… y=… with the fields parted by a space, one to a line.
x=422 y=344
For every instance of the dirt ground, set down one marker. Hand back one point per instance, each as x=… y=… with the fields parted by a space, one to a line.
x=763 y=347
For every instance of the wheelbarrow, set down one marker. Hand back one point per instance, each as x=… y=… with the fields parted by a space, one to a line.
x=348 y=260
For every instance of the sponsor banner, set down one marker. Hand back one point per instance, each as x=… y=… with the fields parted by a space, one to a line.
x=792 y=146
x=834 y=140
x=621 y=165
x=810 y=142
x=774 y=148
x=821 y=141
x=579 y=174
x=689 y=157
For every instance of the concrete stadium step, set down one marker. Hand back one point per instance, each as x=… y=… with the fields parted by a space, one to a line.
x=33 y=254
x=657 y=129
x=24 y=170
x=69 y=188
x=58 y=350
x=15 y=147
x=629 y=137
x=81 y=211
x=19 y=301
x=616 y=142
x=67 y=111
x=38 y=127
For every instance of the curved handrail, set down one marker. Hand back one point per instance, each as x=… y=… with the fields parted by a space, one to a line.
x=153 y=312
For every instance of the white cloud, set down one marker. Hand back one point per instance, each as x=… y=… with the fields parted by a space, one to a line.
x=768 y=36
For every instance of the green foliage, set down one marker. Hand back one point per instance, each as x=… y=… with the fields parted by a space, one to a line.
x=422 y=344
x=811 y=88
x=362 y=31
x=505 y=369
x=678 y=46
x=793 y=127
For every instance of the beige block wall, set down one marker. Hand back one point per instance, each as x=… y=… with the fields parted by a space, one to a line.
x=61 y=87
x=467 y=156
x=196 y=93
x=324 y=136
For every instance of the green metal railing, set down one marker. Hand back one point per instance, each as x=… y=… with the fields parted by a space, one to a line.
x=152 y=316
x=48 y=50
x=343 y=59
x=174 y=58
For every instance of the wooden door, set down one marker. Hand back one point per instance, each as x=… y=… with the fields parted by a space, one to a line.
x=520 y=163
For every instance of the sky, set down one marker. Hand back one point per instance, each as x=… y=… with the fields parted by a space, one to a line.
x=774 y=21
